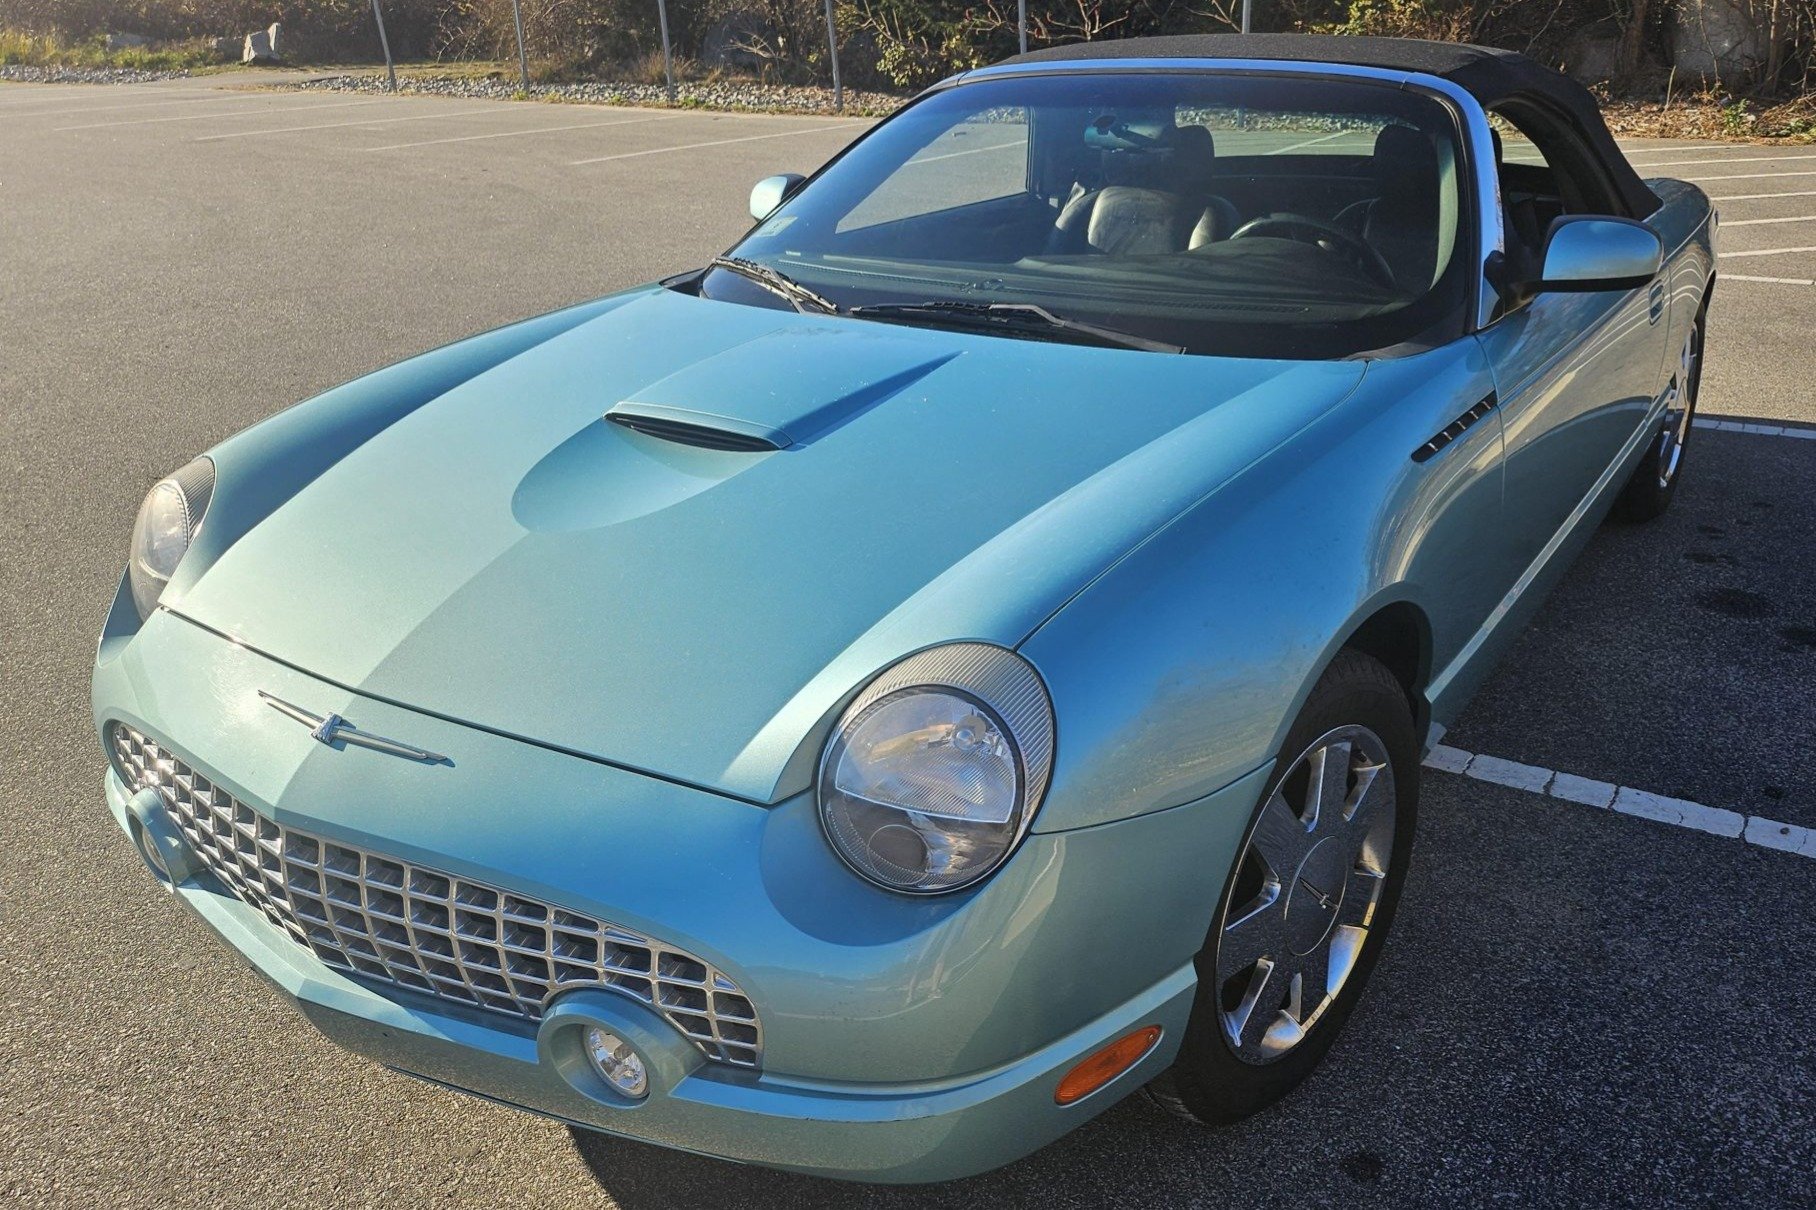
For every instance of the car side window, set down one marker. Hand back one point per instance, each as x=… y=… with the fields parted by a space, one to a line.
x=1545 y=172
x=982 y=159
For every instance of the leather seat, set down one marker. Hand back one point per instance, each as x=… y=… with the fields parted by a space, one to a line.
x=1401 y=222
x=1151 y=202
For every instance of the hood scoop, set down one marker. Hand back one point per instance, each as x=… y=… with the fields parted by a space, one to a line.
x=698 y=429
x=782 y=389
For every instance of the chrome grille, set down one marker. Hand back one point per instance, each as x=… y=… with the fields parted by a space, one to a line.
x=387 y=920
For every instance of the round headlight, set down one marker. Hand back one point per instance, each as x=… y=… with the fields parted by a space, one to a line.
x=935 y=770
x=167 y=524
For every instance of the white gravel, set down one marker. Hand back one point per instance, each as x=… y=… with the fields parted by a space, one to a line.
x=731 y=95
x=22 y=74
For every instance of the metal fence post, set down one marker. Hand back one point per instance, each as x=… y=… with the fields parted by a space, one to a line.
x=523 y=60
x=390 y=68
x=668 y=60
x=1021 y=24
x=832 y=44
x=1245 y=16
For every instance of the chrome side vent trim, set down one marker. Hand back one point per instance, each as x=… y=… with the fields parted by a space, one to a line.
x=1455 y=428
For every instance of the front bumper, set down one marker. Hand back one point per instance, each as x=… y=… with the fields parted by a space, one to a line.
x=904 y=1040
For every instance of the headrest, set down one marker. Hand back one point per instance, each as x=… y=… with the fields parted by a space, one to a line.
x=1406 y=167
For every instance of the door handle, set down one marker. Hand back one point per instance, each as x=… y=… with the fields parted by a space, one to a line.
x=1655 y=302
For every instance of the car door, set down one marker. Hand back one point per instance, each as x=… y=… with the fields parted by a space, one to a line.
x=1576 y=374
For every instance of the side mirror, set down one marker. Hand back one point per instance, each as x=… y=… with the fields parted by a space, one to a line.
x=1585 y=254
x=771 y=192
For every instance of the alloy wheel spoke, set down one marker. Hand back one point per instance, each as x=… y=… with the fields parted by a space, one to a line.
x=1253 y=935
x=1312 y=983
x=1248 y=1021
x=1371 y=789
x=1280 y=837
x=1328 y=787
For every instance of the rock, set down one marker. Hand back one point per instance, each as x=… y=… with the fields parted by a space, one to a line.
x=226 y=47
x=126 y=42
x=261 y=47
x=1593 y=54
x=1719 y=41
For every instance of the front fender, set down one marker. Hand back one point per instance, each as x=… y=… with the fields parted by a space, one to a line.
x=1181 y=669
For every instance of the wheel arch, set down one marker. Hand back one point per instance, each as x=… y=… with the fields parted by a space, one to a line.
x=1398 y=634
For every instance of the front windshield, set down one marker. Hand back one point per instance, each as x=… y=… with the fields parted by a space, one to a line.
x=1232 y=214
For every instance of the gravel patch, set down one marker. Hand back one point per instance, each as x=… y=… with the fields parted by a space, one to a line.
x=731 y=95
x=23 y=74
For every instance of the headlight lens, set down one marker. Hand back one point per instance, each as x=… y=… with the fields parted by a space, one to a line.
x=935 y=771
x=167 y=524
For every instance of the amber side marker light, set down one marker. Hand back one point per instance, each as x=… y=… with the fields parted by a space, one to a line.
x=1106 y=1065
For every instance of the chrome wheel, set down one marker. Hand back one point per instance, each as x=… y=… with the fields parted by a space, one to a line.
x=1305 y=894
x=1676 y=429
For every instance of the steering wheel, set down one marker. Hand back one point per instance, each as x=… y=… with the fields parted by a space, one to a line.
x=1299 y=226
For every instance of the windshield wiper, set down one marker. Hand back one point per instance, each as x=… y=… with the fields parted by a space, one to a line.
x=1022 y=318
x=777 y=282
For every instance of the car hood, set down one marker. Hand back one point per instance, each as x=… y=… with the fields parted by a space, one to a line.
x=506 y=556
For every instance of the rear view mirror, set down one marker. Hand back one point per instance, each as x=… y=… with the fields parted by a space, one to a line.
x=771 y=192
x=1584 y=254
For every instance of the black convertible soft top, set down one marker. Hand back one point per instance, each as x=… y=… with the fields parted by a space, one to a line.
x=1491 y=76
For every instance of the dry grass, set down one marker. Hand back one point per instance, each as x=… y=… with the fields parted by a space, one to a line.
x=49 y=50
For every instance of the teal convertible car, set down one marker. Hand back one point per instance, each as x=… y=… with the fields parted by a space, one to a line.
x=868 y=704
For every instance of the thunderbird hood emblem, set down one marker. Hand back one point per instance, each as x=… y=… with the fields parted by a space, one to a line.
x=330 y=728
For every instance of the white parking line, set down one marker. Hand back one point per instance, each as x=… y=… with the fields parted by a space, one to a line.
x=413 y=117
x=1755 y=197
x=1745 y=159
x=953 y=155
x=1606 y=796
x=238 y=113
x=1755 y=176
x=197 y=98
x=750 y=138
x=1752 y=426
x=506 y=134
x=1633 y=151
x=1323 y=138
x=1782 y=281
x=1761 y=222
x=1769 y=251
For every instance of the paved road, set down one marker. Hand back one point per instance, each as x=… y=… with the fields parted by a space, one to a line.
x=1578 y=1005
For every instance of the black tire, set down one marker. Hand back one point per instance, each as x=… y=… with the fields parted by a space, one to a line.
x=1209 y=1082
x=1654 y=483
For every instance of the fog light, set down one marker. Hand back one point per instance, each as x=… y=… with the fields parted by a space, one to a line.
x=616 y=1062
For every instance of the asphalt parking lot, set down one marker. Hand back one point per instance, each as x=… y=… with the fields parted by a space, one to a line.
x=1583 y=1003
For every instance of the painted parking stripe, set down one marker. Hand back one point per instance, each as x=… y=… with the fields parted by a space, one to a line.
x=1631 y=152
x=1761 y=222
x=1754 y=176
x=1745 y=159
x=749 y=138
x=1754 y=427
x=1626 y=800
x=953 y=155
x=238 y=113
x=198 y=98
x=1756 y=197
x=1769 y=251
x=413 y=117
x=507 y=134
x=1781 y=281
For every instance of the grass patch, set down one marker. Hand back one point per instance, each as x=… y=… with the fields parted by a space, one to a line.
x=48 y=50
